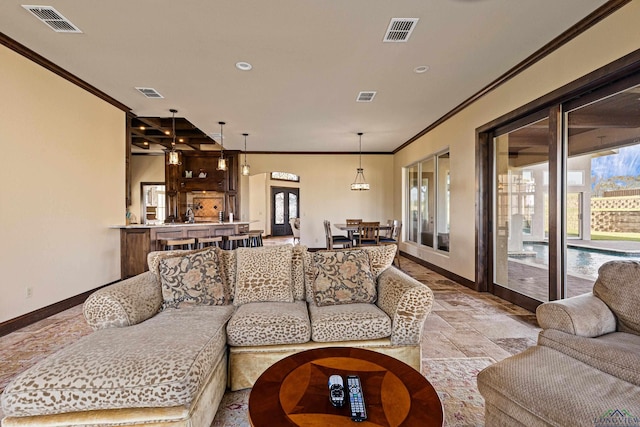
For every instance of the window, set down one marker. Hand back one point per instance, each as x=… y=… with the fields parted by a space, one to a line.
x=285 y=176
x=428 y=197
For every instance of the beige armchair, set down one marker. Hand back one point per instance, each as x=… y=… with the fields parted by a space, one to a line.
x=295 y=228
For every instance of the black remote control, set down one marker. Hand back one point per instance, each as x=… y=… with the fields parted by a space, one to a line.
x=336 y=391
x=356 y=398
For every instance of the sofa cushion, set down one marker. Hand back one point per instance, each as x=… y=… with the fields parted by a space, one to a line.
x=618 y=285
x=151 y=364
x=263 y=274
x=192 y=279
x=228 y=268
x=343 y=277
x=269 y=323
x=348 y=322
x=617 y=353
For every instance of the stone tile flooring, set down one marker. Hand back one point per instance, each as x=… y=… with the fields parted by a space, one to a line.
x=463 y=324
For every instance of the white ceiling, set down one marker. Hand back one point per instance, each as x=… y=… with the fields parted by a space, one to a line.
x=310 y=59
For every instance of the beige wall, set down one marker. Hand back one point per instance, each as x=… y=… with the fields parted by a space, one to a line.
x=144 y=169
x=610 y=39
x=62 y=179
x=325 y=189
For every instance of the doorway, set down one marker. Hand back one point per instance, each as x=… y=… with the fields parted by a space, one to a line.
x=285 y=204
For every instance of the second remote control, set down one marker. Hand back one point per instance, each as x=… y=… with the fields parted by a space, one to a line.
x=356 y=398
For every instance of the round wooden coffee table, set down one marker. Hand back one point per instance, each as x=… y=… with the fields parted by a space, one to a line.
x=294 y=391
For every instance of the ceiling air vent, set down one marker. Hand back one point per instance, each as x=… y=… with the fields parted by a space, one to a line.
x=52 y=18
x=400 y=30
x=366 y=96
x=149 y=92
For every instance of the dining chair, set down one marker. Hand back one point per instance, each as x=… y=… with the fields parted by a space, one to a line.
x=353 y=234
x=368 y=234
x=395 y=234
x=332 y=239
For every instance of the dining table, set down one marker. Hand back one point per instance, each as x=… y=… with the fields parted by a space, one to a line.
x=353 y=228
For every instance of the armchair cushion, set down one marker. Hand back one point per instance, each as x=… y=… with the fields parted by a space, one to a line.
x=343 y=277
x=584 y=315
x=263 y=274
x=618 y=285
x=193 y=279
x=617 y=354
x=269 y=323
x=348 y=322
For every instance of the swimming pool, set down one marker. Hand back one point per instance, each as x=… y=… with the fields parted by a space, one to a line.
x=580 y=261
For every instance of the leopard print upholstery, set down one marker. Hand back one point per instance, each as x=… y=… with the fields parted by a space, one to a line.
x=152 y=364
x=269 y=323
x=407 y=302
x=125 y=303
x=380 y=257
x=297 y=272
x=263 y=274
x=228 y=269
x=358 y=321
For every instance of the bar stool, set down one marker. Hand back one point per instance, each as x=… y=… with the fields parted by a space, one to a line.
x=255 y=238
x=236 y=241
x=177 y=243
x=203 y=242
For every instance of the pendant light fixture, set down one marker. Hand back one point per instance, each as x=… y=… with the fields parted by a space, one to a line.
x=222 y=162
x=245 y=166
x=173 y=154
x=360 y=184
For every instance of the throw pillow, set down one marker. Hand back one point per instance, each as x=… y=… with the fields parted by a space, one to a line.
x=263 y=274
x=618 y=285
x=343 y=277
x=192 y=279
x=154 y=258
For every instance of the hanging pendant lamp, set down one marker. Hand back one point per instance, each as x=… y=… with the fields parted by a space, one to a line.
x=245 y=166
x=360 y=184
x=222 y=162
x=173 y=154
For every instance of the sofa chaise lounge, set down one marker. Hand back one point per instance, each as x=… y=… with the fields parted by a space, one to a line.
x=169 y=342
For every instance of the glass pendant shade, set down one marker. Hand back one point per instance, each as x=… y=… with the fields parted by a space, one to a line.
x=359 y=183
x=173 y=158
x=222 y=162
x=245 y=167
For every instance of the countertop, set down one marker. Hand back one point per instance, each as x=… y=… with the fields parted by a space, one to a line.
x=181 y=224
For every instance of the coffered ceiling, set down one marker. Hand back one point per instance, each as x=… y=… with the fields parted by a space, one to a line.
x=309 y=59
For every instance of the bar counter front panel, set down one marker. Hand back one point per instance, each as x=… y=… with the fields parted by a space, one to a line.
x=136 y=241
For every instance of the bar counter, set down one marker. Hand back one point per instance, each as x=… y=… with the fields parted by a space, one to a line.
x=137 y=240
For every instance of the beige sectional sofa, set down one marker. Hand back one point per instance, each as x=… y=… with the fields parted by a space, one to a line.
x=585 y=370
x=168 y=343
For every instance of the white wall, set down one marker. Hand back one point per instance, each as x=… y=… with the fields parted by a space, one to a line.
x=607 y=41
x=62 y=186
x=144 y=169
x=325 y=189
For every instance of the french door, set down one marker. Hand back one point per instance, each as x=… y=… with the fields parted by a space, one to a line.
x=285 y=204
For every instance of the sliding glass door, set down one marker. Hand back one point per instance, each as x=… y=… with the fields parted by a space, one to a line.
x=521 y=170
x=566 y=194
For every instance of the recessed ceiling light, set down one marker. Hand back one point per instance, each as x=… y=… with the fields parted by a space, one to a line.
x=243 y=66
x=421 y=69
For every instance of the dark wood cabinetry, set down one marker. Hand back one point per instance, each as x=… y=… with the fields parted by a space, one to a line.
x=179 y=182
